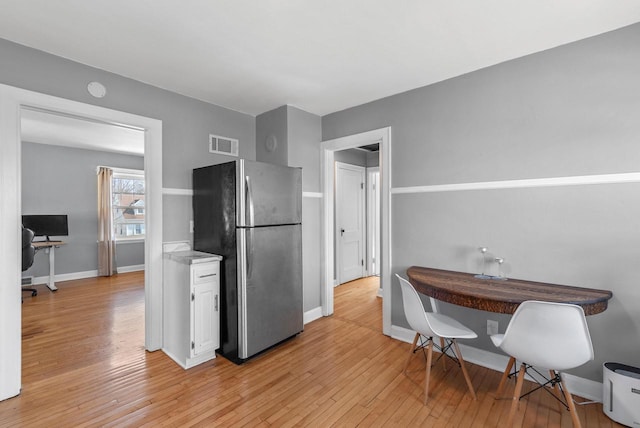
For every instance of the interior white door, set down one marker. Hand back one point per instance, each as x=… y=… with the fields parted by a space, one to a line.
x=350 y=221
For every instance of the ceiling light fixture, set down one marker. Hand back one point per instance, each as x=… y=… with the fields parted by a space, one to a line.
x=97 y=89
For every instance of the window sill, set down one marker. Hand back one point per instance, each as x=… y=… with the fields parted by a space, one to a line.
x=129 y=241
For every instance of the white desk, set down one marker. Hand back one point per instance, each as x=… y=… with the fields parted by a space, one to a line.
x=50 y=247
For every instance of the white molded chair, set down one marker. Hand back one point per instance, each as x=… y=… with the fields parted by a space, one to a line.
x=546 y=335
x=429 y=325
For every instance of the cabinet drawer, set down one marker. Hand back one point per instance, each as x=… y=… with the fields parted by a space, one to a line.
x=205 y=272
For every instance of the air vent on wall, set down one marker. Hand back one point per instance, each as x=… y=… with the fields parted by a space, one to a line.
x=223 y=145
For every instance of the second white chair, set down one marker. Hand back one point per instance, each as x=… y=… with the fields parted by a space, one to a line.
x=430 y=325
x=546 y=335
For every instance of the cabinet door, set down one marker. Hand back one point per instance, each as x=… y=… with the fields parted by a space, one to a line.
x=205 y=318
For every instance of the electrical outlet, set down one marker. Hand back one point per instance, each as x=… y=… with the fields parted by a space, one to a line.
x=492 y=327
x=190 y=226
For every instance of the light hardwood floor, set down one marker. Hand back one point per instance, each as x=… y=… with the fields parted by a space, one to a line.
x=84 y=365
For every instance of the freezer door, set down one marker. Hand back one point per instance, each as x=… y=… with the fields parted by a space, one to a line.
x=268 y=194
x=270 y=292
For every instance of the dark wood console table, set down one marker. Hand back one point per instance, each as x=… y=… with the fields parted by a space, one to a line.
x=501 y=295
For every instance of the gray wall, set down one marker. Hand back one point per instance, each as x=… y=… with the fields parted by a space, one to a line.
x=298 y=134
x=62 y=180
x=572 y=110
x=351 y=156
x=186 y=122
x=273 y=124
x=304 y=131
x=373 y=159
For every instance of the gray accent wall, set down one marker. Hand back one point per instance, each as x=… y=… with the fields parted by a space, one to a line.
x=298 y=144
x=373 y=159
x=351 y=156
x=304 y=131
x=272 y=126
x=62 y=180
x=568 y=111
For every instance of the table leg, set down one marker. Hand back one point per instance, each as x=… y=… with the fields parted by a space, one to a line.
x=51 y=284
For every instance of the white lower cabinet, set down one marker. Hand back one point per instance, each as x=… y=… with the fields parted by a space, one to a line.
x=191 y=302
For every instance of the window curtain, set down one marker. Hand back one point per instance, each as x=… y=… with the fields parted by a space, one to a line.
x=106 y=239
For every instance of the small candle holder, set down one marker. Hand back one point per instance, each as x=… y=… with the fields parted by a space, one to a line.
x=483 y=275
x=499 y=261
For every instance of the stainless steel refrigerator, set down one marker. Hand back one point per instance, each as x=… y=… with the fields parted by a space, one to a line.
x=250 y=213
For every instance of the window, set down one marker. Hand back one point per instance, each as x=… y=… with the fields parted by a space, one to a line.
x=127 y=201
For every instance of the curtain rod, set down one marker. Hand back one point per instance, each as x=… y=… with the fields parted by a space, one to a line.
x=118 y=170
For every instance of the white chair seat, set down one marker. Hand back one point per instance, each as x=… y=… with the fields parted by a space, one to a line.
x=430 y=324
x=445 y=326
x=546 y=335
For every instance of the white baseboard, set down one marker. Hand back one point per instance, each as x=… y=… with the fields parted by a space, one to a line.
x=312 y=315
x=38 y=280
x=589 y=389
x=132 y=268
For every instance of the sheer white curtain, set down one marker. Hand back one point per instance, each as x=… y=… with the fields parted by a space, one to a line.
x=106 y=239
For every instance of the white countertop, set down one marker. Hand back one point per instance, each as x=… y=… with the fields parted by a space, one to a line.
x=192 y=257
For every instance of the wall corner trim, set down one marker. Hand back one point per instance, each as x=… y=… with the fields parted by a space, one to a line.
x=579 y=180
x=312 y=194
x=177 y=192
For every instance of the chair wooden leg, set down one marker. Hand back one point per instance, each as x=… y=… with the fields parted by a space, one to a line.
x=428 y=370
x=443 y=358
x=572 y=406
x=505 y=375
x=556 y=390
x=464 y=369
x=516 y=395
x=413 y=346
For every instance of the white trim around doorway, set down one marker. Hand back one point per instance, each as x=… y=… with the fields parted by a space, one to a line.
x=382 y=136
x=12 y=100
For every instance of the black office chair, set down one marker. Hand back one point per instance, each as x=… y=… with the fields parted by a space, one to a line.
x=28 y=253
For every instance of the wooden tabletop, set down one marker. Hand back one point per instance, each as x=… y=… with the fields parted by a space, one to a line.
x=501 y=295
x=47 y=244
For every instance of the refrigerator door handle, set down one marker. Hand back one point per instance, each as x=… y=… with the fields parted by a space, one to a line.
x=249 y=253
x=249 y=202
x=242 y=293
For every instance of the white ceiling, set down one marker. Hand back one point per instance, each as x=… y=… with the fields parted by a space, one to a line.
x=321 y=56
x=61 y=130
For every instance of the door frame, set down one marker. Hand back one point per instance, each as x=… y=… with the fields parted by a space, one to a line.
x=327 y=149
x=12 y=100
x=363 y=220
x=373 y=219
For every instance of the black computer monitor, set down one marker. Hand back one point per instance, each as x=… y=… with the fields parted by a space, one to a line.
x=47 y=224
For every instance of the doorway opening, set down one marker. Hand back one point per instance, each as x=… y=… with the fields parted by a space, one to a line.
x=12 y=102
x=357 y=213
x=382 y=137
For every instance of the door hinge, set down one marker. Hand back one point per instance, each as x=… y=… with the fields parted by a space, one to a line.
x=362 y=185
x=362 y=262
x=216 y=303
x=193 y=296
x=193 y=345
